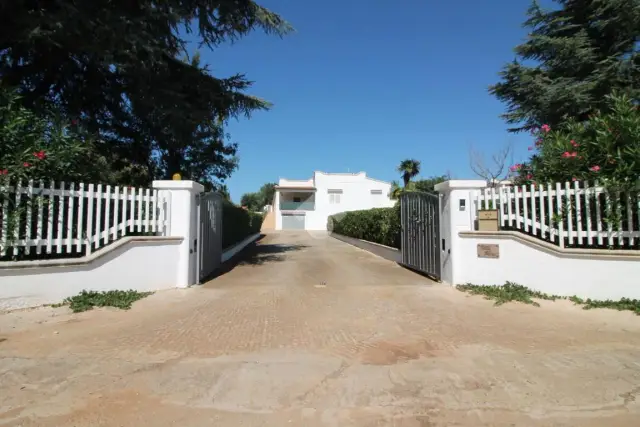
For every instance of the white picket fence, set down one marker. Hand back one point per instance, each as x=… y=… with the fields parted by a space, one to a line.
x=70 y=219
x=577 y=214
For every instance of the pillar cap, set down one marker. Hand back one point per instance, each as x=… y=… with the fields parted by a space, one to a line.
x=460 y=184
x=178 y=185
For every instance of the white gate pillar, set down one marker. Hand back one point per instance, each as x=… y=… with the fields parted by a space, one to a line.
x=182 y=223
x=457 y=213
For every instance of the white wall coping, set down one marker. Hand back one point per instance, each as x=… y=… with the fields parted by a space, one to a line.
x=67 y=262
x=228 y=253
x=460 y=184
x=536 y=243
x=178 y=185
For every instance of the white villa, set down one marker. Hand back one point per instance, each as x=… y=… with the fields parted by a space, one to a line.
x=307 y=204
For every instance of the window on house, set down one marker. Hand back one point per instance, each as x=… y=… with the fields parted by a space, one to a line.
x=334 y=196
x=297 y=199
x=376 y=192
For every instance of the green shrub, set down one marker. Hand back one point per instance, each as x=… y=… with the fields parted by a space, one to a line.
x=238 y=223
x=379 y=225
x=86 y=300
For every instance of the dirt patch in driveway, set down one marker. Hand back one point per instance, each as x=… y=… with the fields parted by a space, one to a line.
x=387 y=353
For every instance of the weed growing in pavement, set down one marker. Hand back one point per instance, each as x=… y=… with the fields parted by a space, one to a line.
x=510 y=292
x=86 y=300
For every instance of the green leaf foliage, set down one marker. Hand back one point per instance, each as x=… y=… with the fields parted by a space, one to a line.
x=35 y=147
x=119 y=69
x=575 y=55
x=408 y=168
x=512 y=292
x=86 y=300
x=605 y=147
x=379 y=225
x=238 y=224
x=256 y=201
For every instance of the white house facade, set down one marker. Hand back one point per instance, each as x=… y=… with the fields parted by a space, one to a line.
x=307 y=204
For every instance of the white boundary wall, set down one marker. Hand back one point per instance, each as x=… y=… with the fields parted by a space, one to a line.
x=587 y=273
x=139 y=263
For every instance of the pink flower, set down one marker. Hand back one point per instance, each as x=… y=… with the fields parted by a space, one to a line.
x=26 y=165
x=566 y=154
x=4 y=171
x=40 y=154
x=574 y=179
x=575 y=144
x=574 y=154
x=594 y=168
x=515 y=167
x=545 y=128
x=529 y=176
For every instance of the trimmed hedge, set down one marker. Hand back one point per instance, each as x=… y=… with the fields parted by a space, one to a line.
x=238 y=224
x=379 y=225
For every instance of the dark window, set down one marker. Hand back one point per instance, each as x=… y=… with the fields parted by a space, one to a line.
x=296 y=199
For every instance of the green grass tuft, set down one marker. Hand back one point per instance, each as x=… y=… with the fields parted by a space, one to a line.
x=510 y=292
x=86 y=300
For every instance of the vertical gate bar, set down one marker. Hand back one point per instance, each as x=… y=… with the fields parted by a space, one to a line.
x=416 y=212
x=438 y=237
x=403 y=229
x=432 y=243
x=198 y=231
x=425 y=233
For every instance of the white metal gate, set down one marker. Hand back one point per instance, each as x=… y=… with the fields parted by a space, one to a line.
x=209 y=238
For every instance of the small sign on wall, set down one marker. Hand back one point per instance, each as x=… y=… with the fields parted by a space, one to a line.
x=488 y=251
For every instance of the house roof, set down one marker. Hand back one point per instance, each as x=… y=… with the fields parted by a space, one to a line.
x=295 y=187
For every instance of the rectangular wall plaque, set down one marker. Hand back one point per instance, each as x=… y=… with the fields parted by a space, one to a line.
x=488 y=251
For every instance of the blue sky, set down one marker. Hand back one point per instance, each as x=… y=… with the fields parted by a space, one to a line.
x=364 y=84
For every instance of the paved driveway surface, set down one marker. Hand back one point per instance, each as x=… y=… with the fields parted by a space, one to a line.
x=310 y=331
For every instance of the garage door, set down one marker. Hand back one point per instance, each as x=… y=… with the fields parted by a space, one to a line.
x=293 y=222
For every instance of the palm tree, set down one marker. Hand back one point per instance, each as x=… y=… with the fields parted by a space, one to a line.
x=409 y=168
x=396 y=190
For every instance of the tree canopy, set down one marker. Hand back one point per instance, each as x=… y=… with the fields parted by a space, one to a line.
x=408 y=169
x=256 y=201
x=119 y=69
x=605 y=148
x=573 y=57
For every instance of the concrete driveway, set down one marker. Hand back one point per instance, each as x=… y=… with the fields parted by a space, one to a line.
x=309 y=331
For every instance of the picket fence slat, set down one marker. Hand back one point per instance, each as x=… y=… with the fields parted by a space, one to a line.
x=40 y=216
x=587 y=210
x=70 y=207
x=116 y=213
x=50 y=217
x=16 y=224
x=27 y=230
x=60 y=219
x=80 y=217
x=578 y=214
x=577 y=193
x=68 y=219
x=630 y=218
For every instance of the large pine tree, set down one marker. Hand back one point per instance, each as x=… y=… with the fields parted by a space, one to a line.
x=115 y=65
x=574 y=55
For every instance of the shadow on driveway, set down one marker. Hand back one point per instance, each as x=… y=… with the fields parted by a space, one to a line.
x=258 y=253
